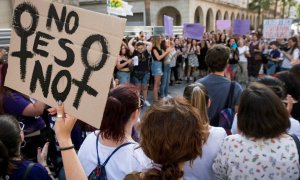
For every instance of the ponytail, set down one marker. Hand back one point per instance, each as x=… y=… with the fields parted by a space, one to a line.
x=169 y=171
x=4 y=160
x=199 y=100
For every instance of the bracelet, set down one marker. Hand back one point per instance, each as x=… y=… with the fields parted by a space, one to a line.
x=66 y=148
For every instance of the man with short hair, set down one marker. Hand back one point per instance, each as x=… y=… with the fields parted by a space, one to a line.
x=217 y=84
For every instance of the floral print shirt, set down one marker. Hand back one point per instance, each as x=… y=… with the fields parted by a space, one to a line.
x=248 y=158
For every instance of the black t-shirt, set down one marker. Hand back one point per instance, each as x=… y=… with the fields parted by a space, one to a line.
x=124 y=61
x=158 y=51
x=179 y=57
x=144 y=61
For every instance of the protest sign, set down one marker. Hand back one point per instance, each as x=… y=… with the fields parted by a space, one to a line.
x=168 y=22
x=61 y=52
x=277 y=28
x=158 y=31
x=241 y=27
x=193 y=31
x=223 y=24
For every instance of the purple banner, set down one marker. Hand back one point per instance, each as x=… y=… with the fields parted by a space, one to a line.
x=168 y=22
x=193 y=31
x=241 y=27
x=223 y=24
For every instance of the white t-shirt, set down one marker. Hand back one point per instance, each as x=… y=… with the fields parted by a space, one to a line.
x=242 y=51
x=126 y=160
x=286 y=63
x=202 y=167
x=294 y=129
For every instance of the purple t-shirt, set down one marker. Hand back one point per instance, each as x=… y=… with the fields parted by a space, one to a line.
x=14 y=103
x=37 y=171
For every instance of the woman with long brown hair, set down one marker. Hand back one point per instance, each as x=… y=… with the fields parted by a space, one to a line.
x=124 y=64
x=291 y=57
x=158 y=56
x=193 y=51
x=171 y=134
x=255 y=59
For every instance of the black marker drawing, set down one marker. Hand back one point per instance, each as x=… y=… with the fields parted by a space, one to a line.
x=38 y=75
x=60 y=22
x=64 y=94
x=24 y=33
x=38 y=41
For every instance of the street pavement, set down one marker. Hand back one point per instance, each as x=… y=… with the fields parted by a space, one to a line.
x=175 y=90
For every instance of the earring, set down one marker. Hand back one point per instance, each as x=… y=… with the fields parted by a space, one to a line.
x=23 y=144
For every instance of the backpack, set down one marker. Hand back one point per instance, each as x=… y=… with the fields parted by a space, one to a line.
x=226 y=115
x=99 y=172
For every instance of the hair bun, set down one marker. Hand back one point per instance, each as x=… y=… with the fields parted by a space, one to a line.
x=171 y=171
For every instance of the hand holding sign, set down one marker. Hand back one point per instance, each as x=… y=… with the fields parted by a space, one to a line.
x=64 y=56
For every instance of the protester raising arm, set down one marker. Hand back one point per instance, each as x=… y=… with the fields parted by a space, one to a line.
x=161 y=57
x=149 y=46
x=130 y=46
x=63 y=127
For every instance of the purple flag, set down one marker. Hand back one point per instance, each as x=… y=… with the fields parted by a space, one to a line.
x=194 y=31
x=168 y=21
x=241 y=27
x=223 y=24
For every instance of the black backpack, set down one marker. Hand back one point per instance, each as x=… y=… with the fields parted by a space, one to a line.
x=99 y=172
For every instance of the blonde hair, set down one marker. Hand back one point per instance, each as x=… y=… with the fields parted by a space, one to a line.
x=197 y=95
x=156 y=40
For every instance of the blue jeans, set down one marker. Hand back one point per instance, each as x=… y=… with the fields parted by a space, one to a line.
x=164 y=86
x=123 y=77
x=271 y=68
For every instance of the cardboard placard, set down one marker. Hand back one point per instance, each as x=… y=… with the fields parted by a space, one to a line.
x=241 y=27
x=193 y=31
x=277 y=28
x=168 y=22
x=61 y=52
x=223 y=24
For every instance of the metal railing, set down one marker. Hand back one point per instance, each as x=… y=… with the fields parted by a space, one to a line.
x=4 y=38
x=134 y=30
x=130 y=31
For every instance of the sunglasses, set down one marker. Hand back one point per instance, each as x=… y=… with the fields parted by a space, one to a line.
x=22 y=125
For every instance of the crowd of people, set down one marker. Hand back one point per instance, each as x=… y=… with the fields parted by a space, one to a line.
x=237 y=118
x=172 y=60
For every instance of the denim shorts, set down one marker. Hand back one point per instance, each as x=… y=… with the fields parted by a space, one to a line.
x=123 y=77
x=156 y=68
x=142 y=80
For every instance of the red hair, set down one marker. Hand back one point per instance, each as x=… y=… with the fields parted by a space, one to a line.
x=121 y=103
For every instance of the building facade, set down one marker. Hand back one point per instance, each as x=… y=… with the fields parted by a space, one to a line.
x=205 y=12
